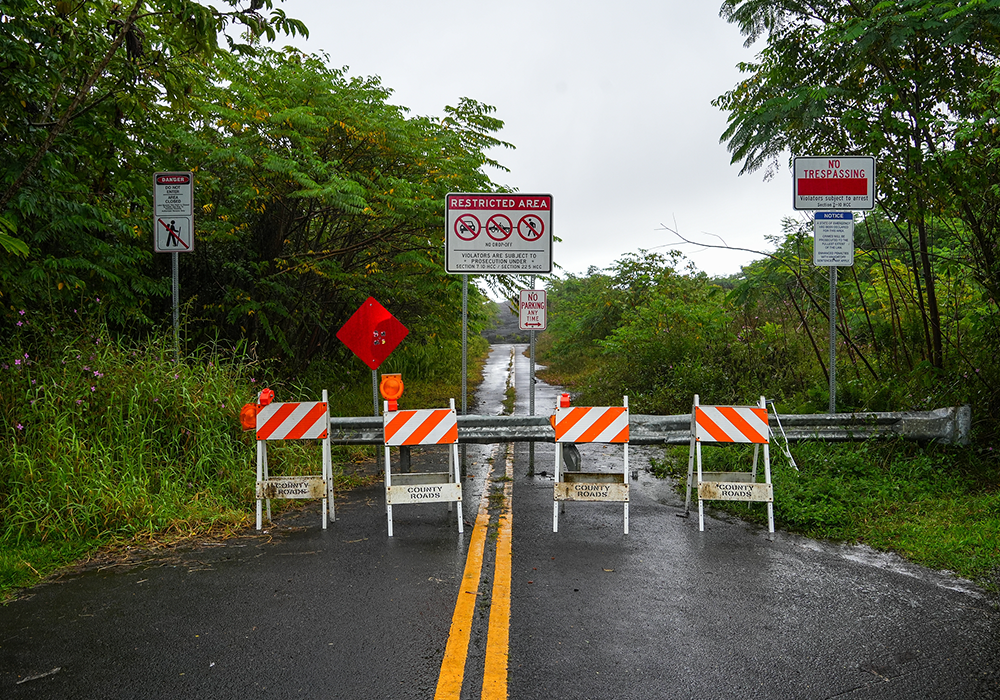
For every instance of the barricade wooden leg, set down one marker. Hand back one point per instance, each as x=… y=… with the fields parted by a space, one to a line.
x=328 y=505
x=266 y=477
x=260 y=478
x=388 y=483
x=687 y=494
x=767 y=479
x=701 y=503
x=625 y=475
x=555 y=503
x=453 y=458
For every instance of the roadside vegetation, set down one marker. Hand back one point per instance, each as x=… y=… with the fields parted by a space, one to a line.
x=916 y=84
x=313 y=191
x=660 y=332
x=113 y=443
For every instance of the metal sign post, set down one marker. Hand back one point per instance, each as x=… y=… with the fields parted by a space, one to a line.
x=465 y=356
x=833 y=339
x=833 y=246
x=175 y=299
x=845 y=184
x=173 y=230
x=494 y=233
x=531 y=393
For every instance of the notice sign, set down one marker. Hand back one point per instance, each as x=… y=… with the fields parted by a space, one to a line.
x=173 y=212
x=498 y=233
x=834 y=182
x=833 y=239
x=532 y=315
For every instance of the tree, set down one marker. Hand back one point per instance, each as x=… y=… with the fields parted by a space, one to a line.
x=315 y=192
x=889 y=79
x=84 y=87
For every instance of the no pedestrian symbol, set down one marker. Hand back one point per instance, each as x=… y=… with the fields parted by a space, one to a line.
x=173 y=235
x=531 y=227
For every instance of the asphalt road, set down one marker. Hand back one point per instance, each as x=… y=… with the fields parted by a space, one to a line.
x=662 y=612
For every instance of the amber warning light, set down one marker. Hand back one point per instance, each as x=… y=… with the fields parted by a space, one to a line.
x=391 y=388
x=248 y=414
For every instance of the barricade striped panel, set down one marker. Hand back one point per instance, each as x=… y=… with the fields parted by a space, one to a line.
x=293 y=421
x=426 y=426
x=592 y=424
x=731 y=424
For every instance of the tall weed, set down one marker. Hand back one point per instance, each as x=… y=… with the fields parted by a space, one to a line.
x=936 y=506
x=110 y=440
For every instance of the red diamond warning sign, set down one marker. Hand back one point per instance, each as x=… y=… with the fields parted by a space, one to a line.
x=372 y=333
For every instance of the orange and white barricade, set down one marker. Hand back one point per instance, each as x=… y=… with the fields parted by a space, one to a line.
x=294 y=421
x=584 y=424
x=729 y=425
x=422 y=427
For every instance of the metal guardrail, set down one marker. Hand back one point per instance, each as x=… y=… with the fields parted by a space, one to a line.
x=949 y=426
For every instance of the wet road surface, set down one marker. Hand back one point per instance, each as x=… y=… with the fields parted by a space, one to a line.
x=663 y=612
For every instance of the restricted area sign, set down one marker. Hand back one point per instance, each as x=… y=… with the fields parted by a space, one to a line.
x=532 y=316
x=173 y=212
x=372 y=333
x=834 y=182
x=498 y=233
x=833 y=239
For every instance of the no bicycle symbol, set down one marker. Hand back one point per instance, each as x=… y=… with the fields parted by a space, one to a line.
x=530 y=227
x=467 y=227
x=499 y=227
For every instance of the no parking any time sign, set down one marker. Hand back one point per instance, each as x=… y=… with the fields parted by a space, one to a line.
x=532 y=310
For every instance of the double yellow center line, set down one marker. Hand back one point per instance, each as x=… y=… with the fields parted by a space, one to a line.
x=456 y=652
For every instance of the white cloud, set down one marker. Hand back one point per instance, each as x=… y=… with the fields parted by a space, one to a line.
x=608 y=105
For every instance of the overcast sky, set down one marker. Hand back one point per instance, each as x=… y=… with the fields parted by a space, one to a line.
x=608 y=105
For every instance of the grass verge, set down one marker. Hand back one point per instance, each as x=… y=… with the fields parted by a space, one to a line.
x=935 y=506
x=112 y=446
